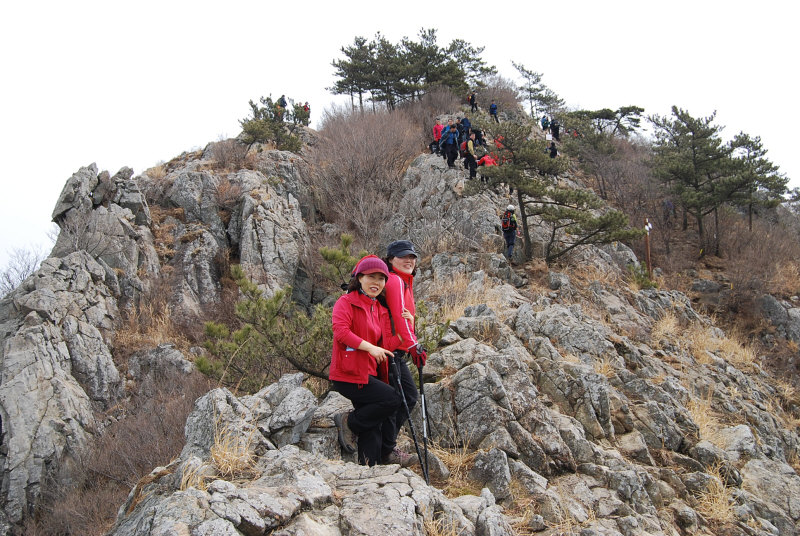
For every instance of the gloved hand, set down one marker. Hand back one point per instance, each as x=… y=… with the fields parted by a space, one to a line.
x=418 y=355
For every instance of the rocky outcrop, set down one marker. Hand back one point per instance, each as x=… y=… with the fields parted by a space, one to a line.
x=108 y=218
x=55 y=366
x=287 y=490
x=554 y=386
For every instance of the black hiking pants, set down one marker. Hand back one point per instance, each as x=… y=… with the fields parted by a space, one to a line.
x=471 y=165
x=451 y=152
x=373 y=418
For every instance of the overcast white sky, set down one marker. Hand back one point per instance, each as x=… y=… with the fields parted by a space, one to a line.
x=136 y=83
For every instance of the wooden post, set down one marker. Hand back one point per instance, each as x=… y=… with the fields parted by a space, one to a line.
x=647 y=227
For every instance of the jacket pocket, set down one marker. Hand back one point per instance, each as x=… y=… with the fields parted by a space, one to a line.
x=349 y=360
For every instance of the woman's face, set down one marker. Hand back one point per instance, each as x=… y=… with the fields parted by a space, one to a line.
x=404 y=264
x=372 y=284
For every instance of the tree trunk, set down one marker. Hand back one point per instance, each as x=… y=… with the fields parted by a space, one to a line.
x=701 y=235
x=525 y=232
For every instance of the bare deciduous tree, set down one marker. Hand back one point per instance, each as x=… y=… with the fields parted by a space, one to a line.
x=230 y=153
x=21 y=263
x=358 y=163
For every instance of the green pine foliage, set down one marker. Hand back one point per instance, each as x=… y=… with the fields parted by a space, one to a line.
x=276 y=336
x=573 y=217
x=388 y=73
x=339 y=261
x=541 y=98
x=640 y=277
x=704 y=173
x=266 y=126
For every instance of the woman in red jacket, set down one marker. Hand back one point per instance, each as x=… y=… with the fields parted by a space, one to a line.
x=402 y=261
x=359 y=371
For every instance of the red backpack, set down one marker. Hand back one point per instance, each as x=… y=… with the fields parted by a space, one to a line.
x=508 y=220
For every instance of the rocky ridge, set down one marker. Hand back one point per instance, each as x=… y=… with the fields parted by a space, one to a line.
x=561 y=392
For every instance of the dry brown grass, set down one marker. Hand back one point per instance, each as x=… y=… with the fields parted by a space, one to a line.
x=454 y=295
x=786 y=278
x=157 y=172
x=164 y=230
x=229 y=154
x=666 y=327
x=522 y=508
x=196 y=477
x=232 y=452
x=734 y=348
x=84 y=498
x=702 y=343
x=459 y=459
x=148 y=324
x=716 y=502
x=605 y=367
x=587 y=273
x=703 y=416
x=737 y=351
x=439 y=526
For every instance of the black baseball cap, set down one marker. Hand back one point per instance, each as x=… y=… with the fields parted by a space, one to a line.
x=401 y=248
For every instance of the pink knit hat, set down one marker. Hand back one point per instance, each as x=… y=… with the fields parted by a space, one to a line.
x=370 y=265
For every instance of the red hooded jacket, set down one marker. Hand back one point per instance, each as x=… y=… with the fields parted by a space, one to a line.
x=356 y=318
x=437 y=132
x=399 y=296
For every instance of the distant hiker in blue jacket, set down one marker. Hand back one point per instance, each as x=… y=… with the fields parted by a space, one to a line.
x=449 y=146
x=467 y=124
x=493 y=111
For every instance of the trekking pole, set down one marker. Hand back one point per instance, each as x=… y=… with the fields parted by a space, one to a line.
x=424 y=420
x=399 y=386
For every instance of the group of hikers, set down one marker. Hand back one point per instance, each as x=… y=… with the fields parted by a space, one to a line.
x=373 y=331
x=472 y=100
x=302 y=113
x=459 y=139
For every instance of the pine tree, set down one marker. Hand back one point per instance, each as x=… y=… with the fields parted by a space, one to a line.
x=694 y=163
x=761 y=182
x=540 y=97
x=266 y=125
x=352 y=73
x=574 y=217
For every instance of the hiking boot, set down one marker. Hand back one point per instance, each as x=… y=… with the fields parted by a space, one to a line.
x=403 y=459
x=347 y=438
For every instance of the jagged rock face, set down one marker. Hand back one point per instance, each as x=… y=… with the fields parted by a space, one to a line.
x=252 y=216
x=109 y=219
x=55 y=365
x=431 y=209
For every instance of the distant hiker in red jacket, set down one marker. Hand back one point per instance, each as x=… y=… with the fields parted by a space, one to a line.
x=437 y=136
x=362 y=344
x=487 y=160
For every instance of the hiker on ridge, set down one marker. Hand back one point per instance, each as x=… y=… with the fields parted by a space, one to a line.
x=493 y=112
x=437 y=136
x=470 y=158
x=448 y=145
x=508 y=222
x=554 y=128
x=401 y=258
